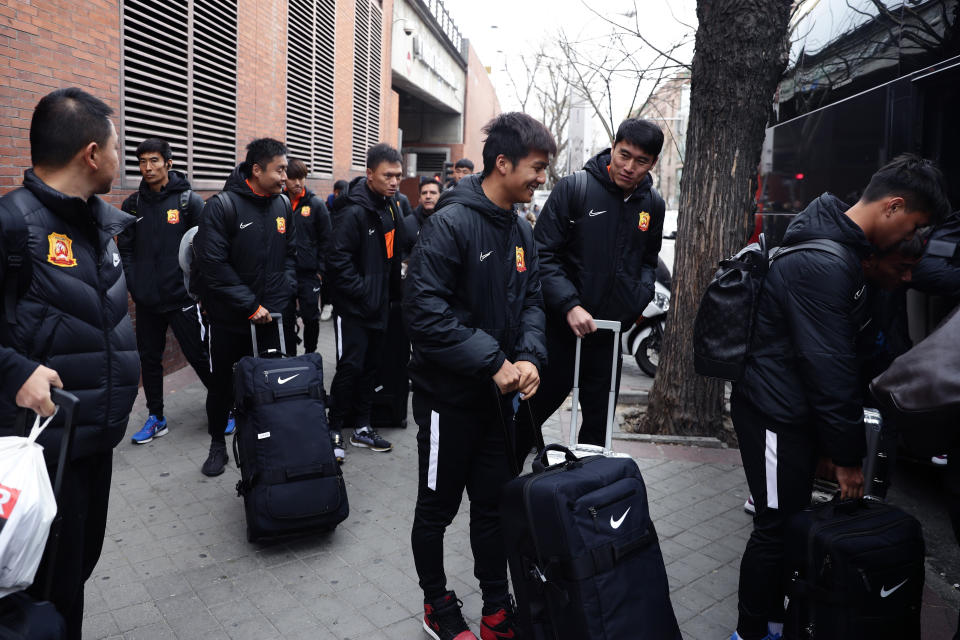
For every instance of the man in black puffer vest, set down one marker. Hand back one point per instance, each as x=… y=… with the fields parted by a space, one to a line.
x=69 y=323
x=365 y=265
x=312 y=224
x=598 y=251
x=247 y=255
x=165 y=207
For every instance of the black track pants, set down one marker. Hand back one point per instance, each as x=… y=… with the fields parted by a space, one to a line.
x=779 y=462
x=359 y=352
x=190 y=332
x=308 y=302
x=460 y=447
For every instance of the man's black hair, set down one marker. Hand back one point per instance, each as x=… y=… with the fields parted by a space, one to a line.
x=514 y=135
x=261 y=151
x=340 y=185
x=641 y=133
x=64 y=122
x=380 y=153
x=917 y=180
x=155 y=145
x=431 y=181
x=464 y=163
x=296 y=168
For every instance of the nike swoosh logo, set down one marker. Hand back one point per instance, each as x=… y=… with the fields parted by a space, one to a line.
x=885 y=592
x=859 y=294
x=619 y=521
x=484 y=256
x=595 y=213
x=139 y=219
x=315 y=289
x=286 y=380
x=244 y=225
x=371 y=231
x=190 y=308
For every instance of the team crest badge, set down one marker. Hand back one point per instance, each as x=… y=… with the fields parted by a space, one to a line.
x=281 y=225
x=173 y=216
x=644 y=223
x=305 y=212
x=61 y=250
x=521 y=262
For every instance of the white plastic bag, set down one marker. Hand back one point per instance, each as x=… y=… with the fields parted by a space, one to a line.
x=27 y=508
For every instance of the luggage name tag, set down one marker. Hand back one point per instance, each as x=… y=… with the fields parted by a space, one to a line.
x=264 y=435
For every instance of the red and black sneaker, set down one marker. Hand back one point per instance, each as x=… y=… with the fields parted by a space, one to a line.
x=502 y=624
x=442 y=619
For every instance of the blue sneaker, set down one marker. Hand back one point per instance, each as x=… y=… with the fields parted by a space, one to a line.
x=152 y=428
x=770 y=636
x=231 y=425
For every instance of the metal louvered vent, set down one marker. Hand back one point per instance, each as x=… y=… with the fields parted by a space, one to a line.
x=180 y=83
x=368 y=37
x=431 y=162
x=310 y=67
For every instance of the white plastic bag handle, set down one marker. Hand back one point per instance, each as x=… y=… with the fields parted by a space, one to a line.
x=38 y=428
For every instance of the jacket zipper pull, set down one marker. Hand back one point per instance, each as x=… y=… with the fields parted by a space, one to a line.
x=596 y=518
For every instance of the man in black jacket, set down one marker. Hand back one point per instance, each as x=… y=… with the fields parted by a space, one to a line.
x=247 y=257
x=429 y=194
x=800 y=396
x=598 y=251
x=67 y=324
x=311 y=220
x=165 y=207
x=472 y=304
x=367 y=227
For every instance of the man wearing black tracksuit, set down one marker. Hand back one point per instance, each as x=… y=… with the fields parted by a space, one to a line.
x=429 y=194
x=800 y=395
x=311 y=221
x=598 y=259
x=246 y=255
x=165 y=207
x=365 y=266
x=472 y=305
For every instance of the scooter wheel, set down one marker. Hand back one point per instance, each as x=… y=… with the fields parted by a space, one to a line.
x=648 y=355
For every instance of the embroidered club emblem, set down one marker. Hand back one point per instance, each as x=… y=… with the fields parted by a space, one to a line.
x=173 y=216
x=521 y=262
x=644 y=223
x=281 y=224
x=305 y=212
x=61 y=250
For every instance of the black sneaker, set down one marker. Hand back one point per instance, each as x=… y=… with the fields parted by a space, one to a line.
x=368 y=438
x=442 y=619
x=216 y=460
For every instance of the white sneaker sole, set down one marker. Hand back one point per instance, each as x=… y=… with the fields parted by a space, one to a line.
x=430 y=631
x=363 y=445
x=158 y=434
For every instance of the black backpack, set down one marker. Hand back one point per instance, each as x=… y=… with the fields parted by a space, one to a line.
x=724 y=324
x=17 y=266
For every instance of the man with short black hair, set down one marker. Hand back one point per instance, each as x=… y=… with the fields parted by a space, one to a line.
x=365 y=264
x=165 y=208
x=800 y=394
x=311 y=220
x=246 y=255
x=474 y=313
x=429 y=194
x=461 y=169
x=65 y=323
x=598 y=247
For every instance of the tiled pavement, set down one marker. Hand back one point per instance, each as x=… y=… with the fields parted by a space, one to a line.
x=176 y=562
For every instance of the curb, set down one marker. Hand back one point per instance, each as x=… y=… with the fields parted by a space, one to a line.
x=689 y=441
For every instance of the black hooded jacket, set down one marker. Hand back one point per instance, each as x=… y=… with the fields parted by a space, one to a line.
x=364 y=278
x=600 y=253
x=472 y=296
x=803 y=368
x=313 y=234
x=150 y=247
x=935 y=273
x=247 y=260
x=414 y=222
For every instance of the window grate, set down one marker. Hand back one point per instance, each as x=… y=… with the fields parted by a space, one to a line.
x=368 y=37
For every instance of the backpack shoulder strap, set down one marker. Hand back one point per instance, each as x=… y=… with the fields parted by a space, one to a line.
x=184 y=201
x=820 y=244
x=14 y=237
x=229 y=211
x=580 y=188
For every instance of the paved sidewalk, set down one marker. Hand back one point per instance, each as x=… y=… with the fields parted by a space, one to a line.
x=176 y=562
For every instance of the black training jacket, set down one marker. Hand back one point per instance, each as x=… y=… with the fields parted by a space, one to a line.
x=311 y=221
x=937 y=275
x=803 y=368
x=472 y=297
x=600 y=253
x=150 y=248
x=249 y=259
x=414 y=222
x=364 y=279
x=72 y=318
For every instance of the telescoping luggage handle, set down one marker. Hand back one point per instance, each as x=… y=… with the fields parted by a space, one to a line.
x=608 y=325
x=278 y=319
x=67 y=405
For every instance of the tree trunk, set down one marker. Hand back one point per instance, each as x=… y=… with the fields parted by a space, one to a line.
x=739 y=57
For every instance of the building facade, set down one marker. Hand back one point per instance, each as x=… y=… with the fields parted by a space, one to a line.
x=669 y=107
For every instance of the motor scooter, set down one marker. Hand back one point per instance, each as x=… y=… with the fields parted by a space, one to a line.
x=643 y=340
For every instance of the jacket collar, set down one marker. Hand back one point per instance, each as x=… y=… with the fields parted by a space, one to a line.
x=75 y=210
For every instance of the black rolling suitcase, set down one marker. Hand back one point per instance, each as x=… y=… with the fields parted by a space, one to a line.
x=289 y=478
x=855 y=570
x=583 y=553
x=391 y=387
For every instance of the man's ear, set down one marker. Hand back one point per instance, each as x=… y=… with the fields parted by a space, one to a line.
x=503 y=165
x=90 y=155
x=256 y=170
x=894 y=204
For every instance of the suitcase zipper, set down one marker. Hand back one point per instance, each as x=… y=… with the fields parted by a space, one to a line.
x=594 y=510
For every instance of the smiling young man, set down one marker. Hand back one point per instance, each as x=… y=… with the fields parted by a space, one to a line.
x=472 y=305
x=365 y=265
x=165 y=208
x=598 y=251
x=246 y=253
